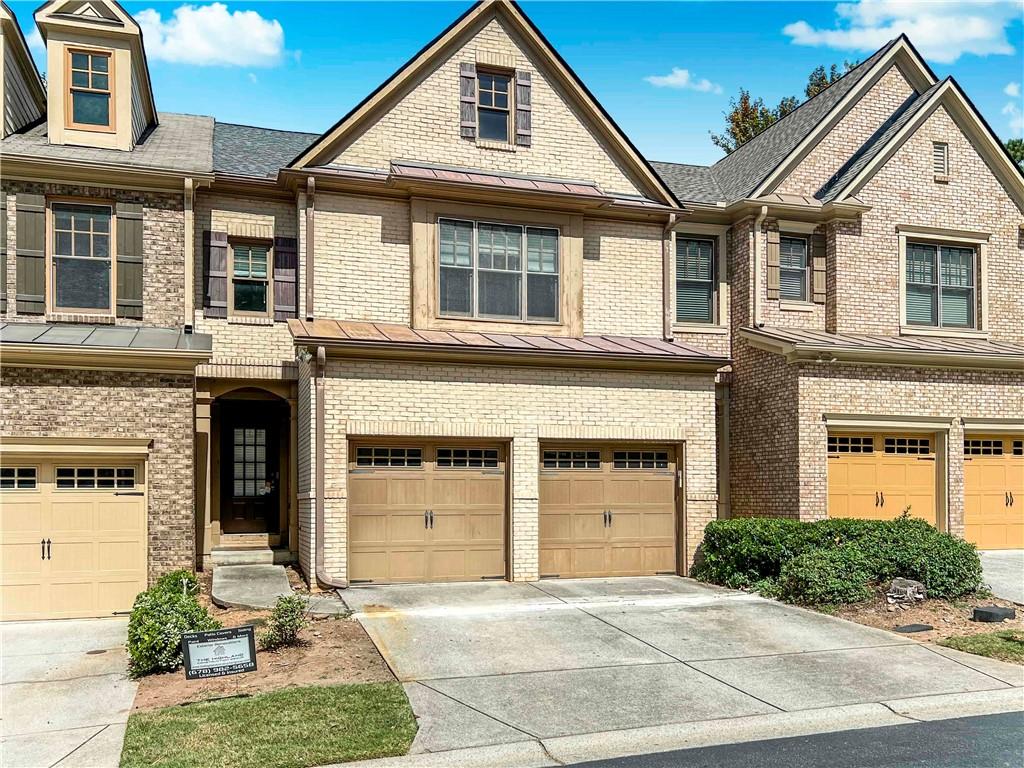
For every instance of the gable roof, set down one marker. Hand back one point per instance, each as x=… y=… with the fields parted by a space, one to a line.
x=245 y=150
x=880 y=147
x=481 y=12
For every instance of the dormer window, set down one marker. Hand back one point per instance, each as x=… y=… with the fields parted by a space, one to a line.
x=90 y=90
x=493 y=105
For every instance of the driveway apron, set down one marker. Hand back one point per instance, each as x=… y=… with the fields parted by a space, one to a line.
x=66 y=693
x=492 y=663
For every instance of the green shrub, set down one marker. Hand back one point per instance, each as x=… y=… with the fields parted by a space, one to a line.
x=181 y=582
x=825 y=577
x=158 y=620
x=753 y=552
x=287 y=619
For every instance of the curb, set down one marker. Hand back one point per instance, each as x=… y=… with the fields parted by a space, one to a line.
x=565 y=750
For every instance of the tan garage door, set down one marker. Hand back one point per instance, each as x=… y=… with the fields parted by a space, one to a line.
x=994 y=491
x=878 y=476
x=72 y=537
x=426 y=512
x=607 y=511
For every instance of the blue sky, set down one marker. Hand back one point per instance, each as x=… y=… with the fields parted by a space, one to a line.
x=665 y=71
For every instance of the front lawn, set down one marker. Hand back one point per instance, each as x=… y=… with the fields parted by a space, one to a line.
x=1005 y=645
x=287 y=728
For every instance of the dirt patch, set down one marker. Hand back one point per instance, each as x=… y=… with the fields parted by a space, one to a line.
x=949 y=617
x=333 y=651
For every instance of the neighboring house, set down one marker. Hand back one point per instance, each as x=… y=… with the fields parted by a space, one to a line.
x=471 y=333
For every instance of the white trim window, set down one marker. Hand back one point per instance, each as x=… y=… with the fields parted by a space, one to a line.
x=695 y=280
x=793 y=267
x=941 y=286
x=498 y=271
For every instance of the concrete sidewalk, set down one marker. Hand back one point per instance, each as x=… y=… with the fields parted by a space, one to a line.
x=514 y=668
x=66 y=693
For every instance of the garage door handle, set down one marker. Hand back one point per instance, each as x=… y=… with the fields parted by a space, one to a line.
x=431 y=519
x=876 y=498
x=47 y=549
x=42 y=549
x=426 y=518
x=882 y=494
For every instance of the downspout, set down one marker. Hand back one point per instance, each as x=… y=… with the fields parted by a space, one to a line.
x=189 y=255
x=666 y=278
x=322 y=576
x=310 y=242
x=757 y=264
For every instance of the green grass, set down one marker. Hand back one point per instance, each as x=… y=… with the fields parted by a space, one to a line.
x=1005 y=645
x=290 y=728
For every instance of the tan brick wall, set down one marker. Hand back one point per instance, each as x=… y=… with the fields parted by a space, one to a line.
x=849 y=134
x=236 y=338
x=524 y=405
x=894 y=391
x=904 y=192
x=38 y=402
x=424 y=125
x=362 y=258
x=163 y=237
x=622 y=278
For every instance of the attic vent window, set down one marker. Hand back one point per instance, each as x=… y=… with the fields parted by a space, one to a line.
x=940 y=159
x=89 y=90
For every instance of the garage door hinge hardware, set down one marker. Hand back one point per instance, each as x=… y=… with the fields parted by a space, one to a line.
x=128 y=493
x=492 y=578
x=360 y=581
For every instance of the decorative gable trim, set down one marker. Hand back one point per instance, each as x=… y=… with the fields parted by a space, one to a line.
x=902 y=55
x=478 y=14
x=969 y=120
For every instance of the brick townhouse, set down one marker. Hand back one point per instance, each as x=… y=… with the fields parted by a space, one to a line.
x=470 y=332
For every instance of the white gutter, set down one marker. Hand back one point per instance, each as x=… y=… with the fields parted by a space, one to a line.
x=755 y=236
x=666 y=277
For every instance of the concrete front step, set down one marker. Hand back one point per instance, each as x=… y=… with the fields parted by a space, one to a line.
x=259 y=586
x=249 y=556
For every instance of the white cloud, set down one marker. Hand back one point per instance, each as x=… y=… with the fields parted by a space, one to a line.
x=210 y=35
x=35 y=42
x=1012 y=90
x=941 y=31
x=682 y=79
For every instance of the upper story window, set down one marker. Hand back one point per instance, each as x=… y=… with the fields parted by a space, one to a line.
x=940 y=285
x=793 y=270
x=250 y=279
x=494 y=114
x=498 y=271
x=695 y=276
x=82 y=270
x=90 y=90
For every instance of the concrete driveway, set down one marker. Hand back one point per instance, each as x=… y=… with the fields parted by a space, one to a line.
x=65 y=691
x=1004 y=573
x=495 y=663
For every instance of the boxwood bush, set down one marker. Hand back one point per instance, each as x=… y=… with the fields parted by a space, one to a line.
x=787 y=558
x=159 y=617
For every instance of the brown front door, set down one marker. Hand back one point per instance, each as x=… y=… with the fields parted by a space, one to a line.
x=250 y=470
x=426 y=512
x=607 y=511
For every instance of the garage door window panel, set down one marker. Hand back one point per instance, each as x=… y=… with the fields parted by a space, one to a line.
x=387 y=456
x=95 y=478
x=571 y=460
x=18 y=478
x=850 y=444
x=455 y=458
x=912 y=446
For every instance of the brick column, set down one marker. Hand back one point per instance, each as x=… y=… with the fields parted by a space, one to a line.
x=954 y=474
x=525 y=506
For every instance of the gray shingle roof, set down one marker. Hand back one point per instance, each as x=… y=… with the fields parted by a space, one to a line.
x=245 y=150
x=874 y=145
x=105 y=337
x=740 y=172
x=690 y=183
x=179 y=143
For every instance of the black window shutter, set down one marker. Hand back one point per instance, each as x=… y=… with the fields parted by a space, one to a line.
x=467 y=100
x=524 y=109
x=129 y=260
x=286 y=268
x=215 y=274
x=30 y=234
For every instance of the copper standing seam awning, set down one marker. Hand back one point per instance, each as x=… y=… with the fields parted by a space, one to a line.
x=941 y=351
x=365 y=339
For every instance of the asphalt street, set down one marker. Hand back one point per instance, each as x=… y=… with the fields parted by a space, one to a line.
x=991 y=741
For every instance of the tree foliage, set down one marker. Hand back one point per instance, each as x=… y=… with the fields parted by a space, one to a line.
x=1016 y=149
x=748 y=116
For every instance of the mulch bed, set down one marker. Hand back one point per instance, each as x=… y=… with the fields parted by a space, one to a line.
x=949 y=617
x=333 y=651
